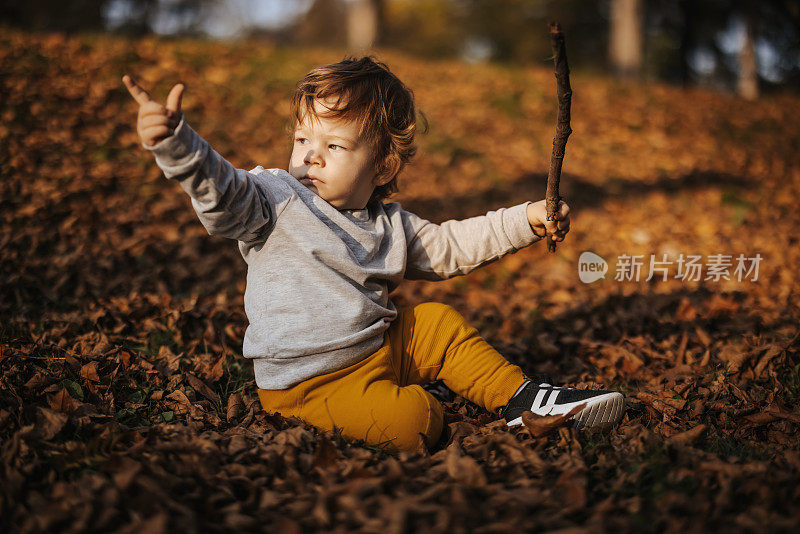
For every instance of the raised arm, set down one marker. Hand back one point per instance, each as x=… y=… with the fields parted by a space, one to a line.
x=229 y=202
x=441 y=251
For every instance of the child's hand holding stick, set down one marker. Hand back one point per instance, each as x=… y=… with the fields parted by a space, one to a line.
x=155 y=122
x=562 y=127
x=554 y=228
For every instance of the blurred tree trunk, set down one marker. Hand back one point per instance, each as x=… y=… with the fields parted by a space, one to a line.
x=364 y=19
x=626 y=37
x=687 y=39
x=323 y=24
x=747 y=85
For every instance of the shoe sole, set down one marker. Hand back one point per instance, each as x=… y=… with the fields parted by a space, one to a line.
x=606 y=409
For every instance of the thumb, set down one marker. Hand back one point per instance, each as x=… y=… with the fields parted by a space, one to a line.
x=174 y=98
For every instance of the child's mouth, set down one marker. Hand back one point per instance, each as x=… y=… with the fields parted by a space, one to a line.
x=310 y=181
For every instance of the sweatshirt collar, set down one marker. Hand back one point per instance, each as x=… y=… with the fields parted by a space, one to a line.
x=359 y=214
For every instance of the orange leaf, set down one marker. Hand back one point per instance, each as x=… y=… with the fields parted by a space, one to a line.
x=541 y=425
x=688 y=437
x=89 y=372
x=179 y=402
x=62 y=402
x=235 y=406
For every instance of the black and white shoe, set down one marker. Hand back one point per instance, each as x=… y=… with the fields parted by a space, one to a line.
x=602 y=406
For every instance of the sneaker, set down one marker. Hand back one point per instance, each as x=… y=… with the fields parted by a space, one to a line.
x=602 y=406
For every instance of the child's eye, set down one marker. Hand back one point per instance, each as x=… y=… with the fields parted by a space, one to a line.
x=301 y=140
x=336 y=147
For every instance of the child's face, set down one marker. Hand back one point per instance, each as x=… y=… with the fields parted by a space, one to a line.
x=331 y=160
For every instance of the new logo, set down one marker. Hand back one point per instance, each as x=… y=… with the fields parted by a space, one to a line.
x=591 y=267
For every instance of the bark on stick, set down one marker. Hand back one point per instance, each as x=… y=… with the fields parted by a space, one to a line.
x=563 y=129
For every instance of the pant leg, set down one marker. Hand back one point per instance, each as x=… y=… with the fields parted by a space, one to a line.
x=437 y=343
x=379 y=399
x=363 y=401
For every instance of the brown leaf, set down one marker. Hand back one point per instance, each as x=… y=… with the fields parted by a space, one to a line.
x=688 y=437
x=48 y=424
x=216 y=371
x=125 y=472
x=686 y=311
x=771 y=352
x=237 y=444
x=156 y=524
x=681 y=354
x=778 y=411
x=173 y=360
x=571 y=485
x=326 y=454
x=230 y=331
x=89 y=372
x=201 y=386
x=320 y=512
x=620 y=358
x=719 y=305
x=760 y=419
x=63 y=402
x=705 y=339
x=179 y=402
x=463 y=468
x=234 y=407
x=459 y=429
x=662 y=404
x=735 y=356
x=541 y=425
x=294 y=436
x=37 y=380
x=706 y=358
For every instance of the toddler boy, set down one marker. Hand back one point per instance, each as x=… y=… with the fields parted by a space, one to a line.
x=324 y=251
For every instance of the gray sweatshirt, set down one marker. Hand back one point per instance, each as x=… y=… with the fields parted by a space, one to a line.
x=318 y=278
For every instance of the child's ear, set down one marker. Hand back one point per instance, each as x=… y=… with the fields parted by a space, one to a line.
x=382 y=179
x=386 y=172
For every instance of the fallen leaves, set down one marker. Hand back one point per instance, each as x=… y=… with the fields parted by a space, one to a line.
x=463 y=468
x=48 y=424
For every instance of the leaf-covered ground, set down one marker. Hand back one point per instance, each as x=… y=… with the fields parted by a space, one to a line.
x=125 y=403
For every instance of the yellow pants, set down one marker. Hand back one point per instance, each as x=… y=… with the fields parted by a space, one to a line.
x=380 y=399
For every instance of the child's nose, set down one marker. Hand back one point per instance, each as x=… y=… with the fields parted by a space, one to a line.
x=313 y=157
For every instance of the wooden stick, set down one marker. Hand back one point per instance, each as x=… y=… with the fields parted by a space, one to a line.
x=563 y=129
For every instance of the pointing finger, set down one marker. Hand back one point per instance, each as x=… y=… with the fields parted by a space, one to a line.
x=174 y=98
x=138 y=94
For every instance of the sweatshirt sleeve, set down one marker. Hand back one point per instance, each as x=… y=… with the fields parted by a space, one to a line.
x=229 y=202
x=441 y=251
